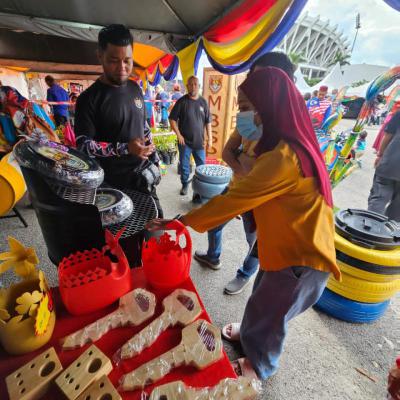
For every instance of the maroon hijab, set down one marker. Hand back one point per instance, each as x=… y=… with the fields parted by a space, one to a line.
x=285 y=117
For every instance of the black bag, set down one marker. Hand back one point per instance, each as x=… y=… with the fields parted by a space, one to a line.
x=145 y=177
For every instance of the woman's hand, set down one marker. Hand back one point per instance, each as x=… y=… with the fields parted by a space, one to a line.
x=158 y=224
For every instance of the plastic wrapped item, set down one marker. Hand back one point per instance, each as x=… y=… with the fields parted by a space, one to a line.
x=134 y=308
x=114 y=206
x=201 y=346
x=181 y=307
x=59 y=163
x=99 y=277
x=228 y=389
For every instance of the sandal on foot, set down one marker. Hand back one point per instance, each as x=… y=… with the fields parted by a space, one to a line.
x=242 y=367
x=231 y=332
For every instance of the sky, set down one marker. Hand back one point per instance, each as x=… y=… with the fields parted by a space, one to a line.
x=378 y=40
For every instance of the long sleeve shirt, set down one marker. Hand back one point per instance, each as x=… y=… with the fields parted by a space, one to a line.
x=294 y=223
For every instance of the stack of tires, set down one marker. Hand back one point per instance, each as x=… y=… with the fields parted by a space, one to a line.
x=368 y=254
x=210 y=180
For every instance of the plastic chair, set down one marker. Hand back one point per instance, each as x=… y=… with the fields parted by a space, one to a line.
x=66 y=227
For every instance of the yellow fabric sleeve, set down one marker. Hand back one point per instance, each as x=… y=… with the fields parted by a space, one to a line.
x=273 y=174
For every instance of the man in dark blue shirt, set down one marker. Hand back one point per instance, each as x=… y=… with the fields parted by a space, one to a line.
x=57 y=93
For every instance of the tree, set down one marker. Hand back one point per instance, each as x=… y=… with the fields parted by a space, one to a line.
x=296 y=59
x=341 y=58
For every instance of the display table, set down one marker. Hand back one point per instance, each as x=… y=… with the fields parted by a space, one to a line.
x=112 y=341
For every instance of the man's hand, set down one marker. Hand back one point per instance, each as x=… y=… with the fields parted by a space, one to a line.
x=181 y=139
x=138 y=148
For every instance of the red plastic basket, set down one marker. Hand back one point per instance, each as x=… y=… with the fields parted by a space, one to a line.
x=166 y=264
x=90 y=280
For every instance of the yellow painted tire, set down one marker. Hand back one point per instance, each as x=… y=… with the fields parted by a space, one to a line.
x=364 y=291
x=387 y=258
x=365 y=275
x=12 y=183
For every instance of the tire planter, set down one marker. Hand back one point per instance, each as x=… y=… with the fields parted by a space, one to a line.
x=216 y=174
x=207 y=190
x=114 y=206
x=362 y=290
x=368 y=255
x=348 y=310
x=59 y=163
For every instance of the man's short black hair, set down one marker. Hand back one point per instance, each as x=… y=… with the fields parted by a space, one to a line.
x=275 y=59
x=49 y=79
x=116 y=34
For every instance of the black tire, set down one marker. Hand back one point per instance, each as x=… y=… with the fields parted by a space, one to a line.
x=114 y=206
x=59 y=163
x=212 y=173
x=205 y=189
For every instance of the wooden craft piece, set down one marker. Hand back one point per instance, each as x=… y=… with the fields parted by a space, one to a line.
x=102 y=389
x=85 y=370
x=181 y=307
x=134 y=308
x=200 y=347
x=228 y=389
x=32 y=380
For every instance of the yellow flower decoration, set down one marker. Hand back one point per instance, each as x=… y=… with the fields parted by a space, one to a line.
x=4 y=315
x=42 y=316
x=27 y=302
x=44 y=287
x=22 y=259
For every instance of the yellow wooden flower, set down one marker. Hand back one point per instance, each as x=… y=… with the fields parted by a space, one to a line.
x=22 y=259
x=27 y=302
x=4 y=315
x=42 y=316
x=44 y=287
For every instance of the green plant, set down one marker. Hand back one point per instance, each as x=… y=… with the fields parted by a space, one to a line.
x=341 y=58
x=312 y=81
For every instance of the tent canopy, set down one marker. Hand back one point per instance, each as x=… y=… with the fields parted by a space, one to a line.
x=334 y=80
x=230 y=31
x=168 y=33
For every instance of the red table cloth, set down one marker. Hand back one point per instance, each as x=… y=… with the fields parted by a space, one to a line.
x=112 y=341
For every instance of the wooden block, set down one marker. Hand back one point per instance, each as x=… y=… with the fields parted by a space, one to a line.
x=102 y=389
x=32 y=380
x=85 y=370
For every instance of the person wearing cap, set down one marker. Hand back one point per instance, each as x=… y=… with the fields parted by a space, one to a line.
x=319 y=108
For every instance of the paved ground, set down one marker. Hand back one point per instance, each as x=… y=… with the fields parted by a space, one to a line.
x=321 y=353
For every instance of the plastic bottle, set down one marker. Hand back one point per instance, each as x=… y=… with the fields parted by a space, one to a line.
x=394 y=382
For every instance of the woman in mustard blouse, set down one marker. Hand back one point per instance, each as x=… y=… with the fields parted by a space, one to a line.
x=289 y=191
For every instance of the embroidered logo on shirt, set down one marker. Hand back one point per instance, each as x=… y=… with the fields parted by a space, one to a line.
x=201 y=109
x=138 y=103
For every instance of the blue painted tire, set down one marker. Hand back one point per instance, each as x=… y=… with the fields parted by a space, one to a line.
x=213 y=173
x=348 y=310
x=207 y=190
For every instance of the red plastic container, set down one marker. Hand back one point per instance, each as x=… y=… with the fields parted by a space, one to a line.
x=90 y=280
x=165 y=263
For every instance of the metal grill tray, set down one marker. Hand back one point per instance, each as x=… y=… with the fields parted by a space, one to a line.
x=144 y=210
x=114 y=206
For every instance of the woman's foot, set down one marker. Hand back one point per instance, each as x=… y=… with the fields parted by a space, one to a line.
x=242 y=367
x=231 y=332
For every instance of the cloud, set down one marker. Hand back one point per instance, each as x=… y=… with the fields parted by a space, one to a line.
x=378 y=39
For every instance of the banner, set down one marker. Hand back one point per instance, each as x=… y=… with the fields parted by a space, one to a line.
x=220 y=92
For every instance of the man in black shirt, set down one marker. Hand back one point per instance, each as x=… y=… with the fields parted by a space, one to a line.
x=385 y=192
x=189 y=118
x=110 y=120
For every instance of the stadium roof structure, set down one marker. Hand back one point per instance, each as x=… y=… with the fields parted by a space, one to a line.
x=317 y=42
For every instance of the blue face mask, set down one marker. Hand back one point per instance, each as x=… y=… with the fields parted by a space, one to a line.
x=246 y=126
